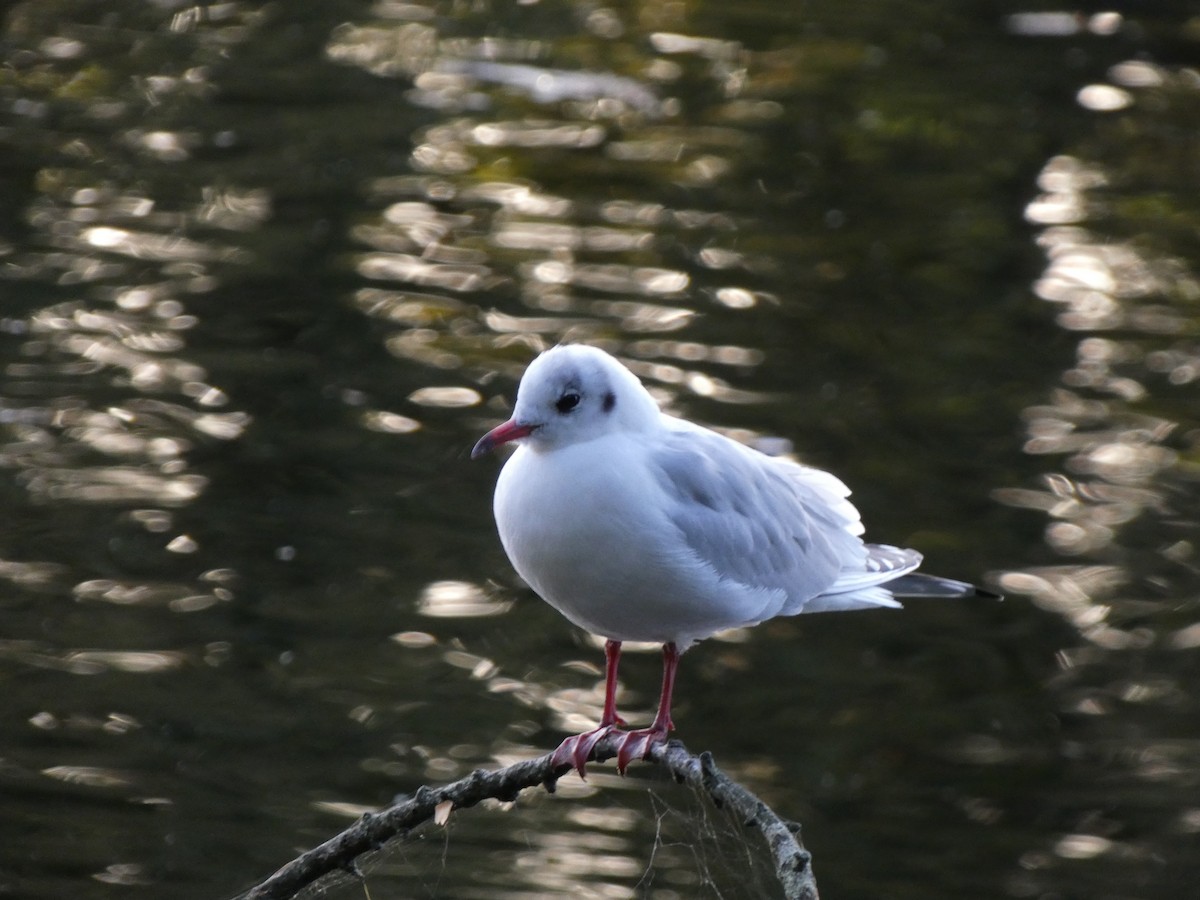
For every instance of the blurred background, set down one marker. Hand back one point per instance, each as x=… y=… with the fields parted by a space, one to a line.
x=267 y=271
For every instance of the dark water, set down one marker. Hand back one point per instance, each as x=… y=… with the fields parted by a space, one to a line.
x=269 y=269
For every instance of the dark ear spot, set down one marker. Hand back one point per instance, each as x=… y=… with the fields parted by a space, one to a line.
x=610 y=400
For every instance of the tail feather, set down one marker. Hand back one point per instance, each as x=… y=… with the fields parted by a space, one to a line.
x=883 y=564
x=887 y=573
x=865 y=598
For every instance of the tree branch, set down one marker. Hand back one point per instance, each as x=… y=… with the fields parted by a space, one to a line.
x=792 y=863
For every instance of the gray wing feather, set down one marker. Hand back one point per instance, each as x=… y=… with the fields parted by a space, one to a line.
x=755 y=520
x=884 y=563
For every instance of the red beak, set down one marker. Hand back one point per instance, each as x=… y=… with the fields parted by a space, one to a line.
x=501 y=434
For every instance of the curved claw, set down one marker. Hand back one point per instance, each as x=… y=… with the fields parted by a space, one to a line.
x=575 y=750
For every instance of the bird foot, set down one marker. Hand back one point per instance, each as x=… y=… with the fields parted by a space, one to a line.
x=636 y=745
x=631 y=745
x=575 y=750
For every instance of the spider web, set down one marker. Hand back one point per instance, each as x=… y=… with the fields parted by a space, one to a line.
x=651 y=840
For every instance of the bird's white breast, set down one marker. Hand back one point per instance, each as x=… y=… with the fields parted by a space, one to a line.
x=585 y=526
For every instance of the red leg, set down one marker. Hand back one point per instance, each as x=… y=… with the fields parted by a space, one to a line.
x=612 y=658
x=637 y=744
x=577 y=748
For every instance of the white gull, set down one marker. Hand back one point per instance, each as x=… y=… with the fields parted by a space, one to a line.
x=639 y=526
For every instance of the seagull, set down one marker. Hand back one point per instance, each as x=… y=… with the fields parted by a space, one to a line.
x=640 y=526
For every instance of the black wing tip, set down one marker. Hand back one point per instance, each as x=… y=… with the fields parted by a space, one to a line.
x=918 y=584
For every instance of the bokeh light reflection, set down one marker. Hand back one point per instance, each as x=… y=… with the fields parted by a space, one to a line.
x=1121 y=504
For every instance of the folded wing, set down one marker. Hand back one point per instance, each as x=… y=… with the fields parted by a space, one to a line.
x=773 y=525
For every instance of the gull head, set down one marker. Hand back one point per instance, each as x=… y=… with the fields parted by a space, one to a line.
x=571 y=394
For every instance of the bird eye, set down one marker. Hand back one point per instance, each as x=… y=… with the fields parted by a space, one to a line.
x=567 y=402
